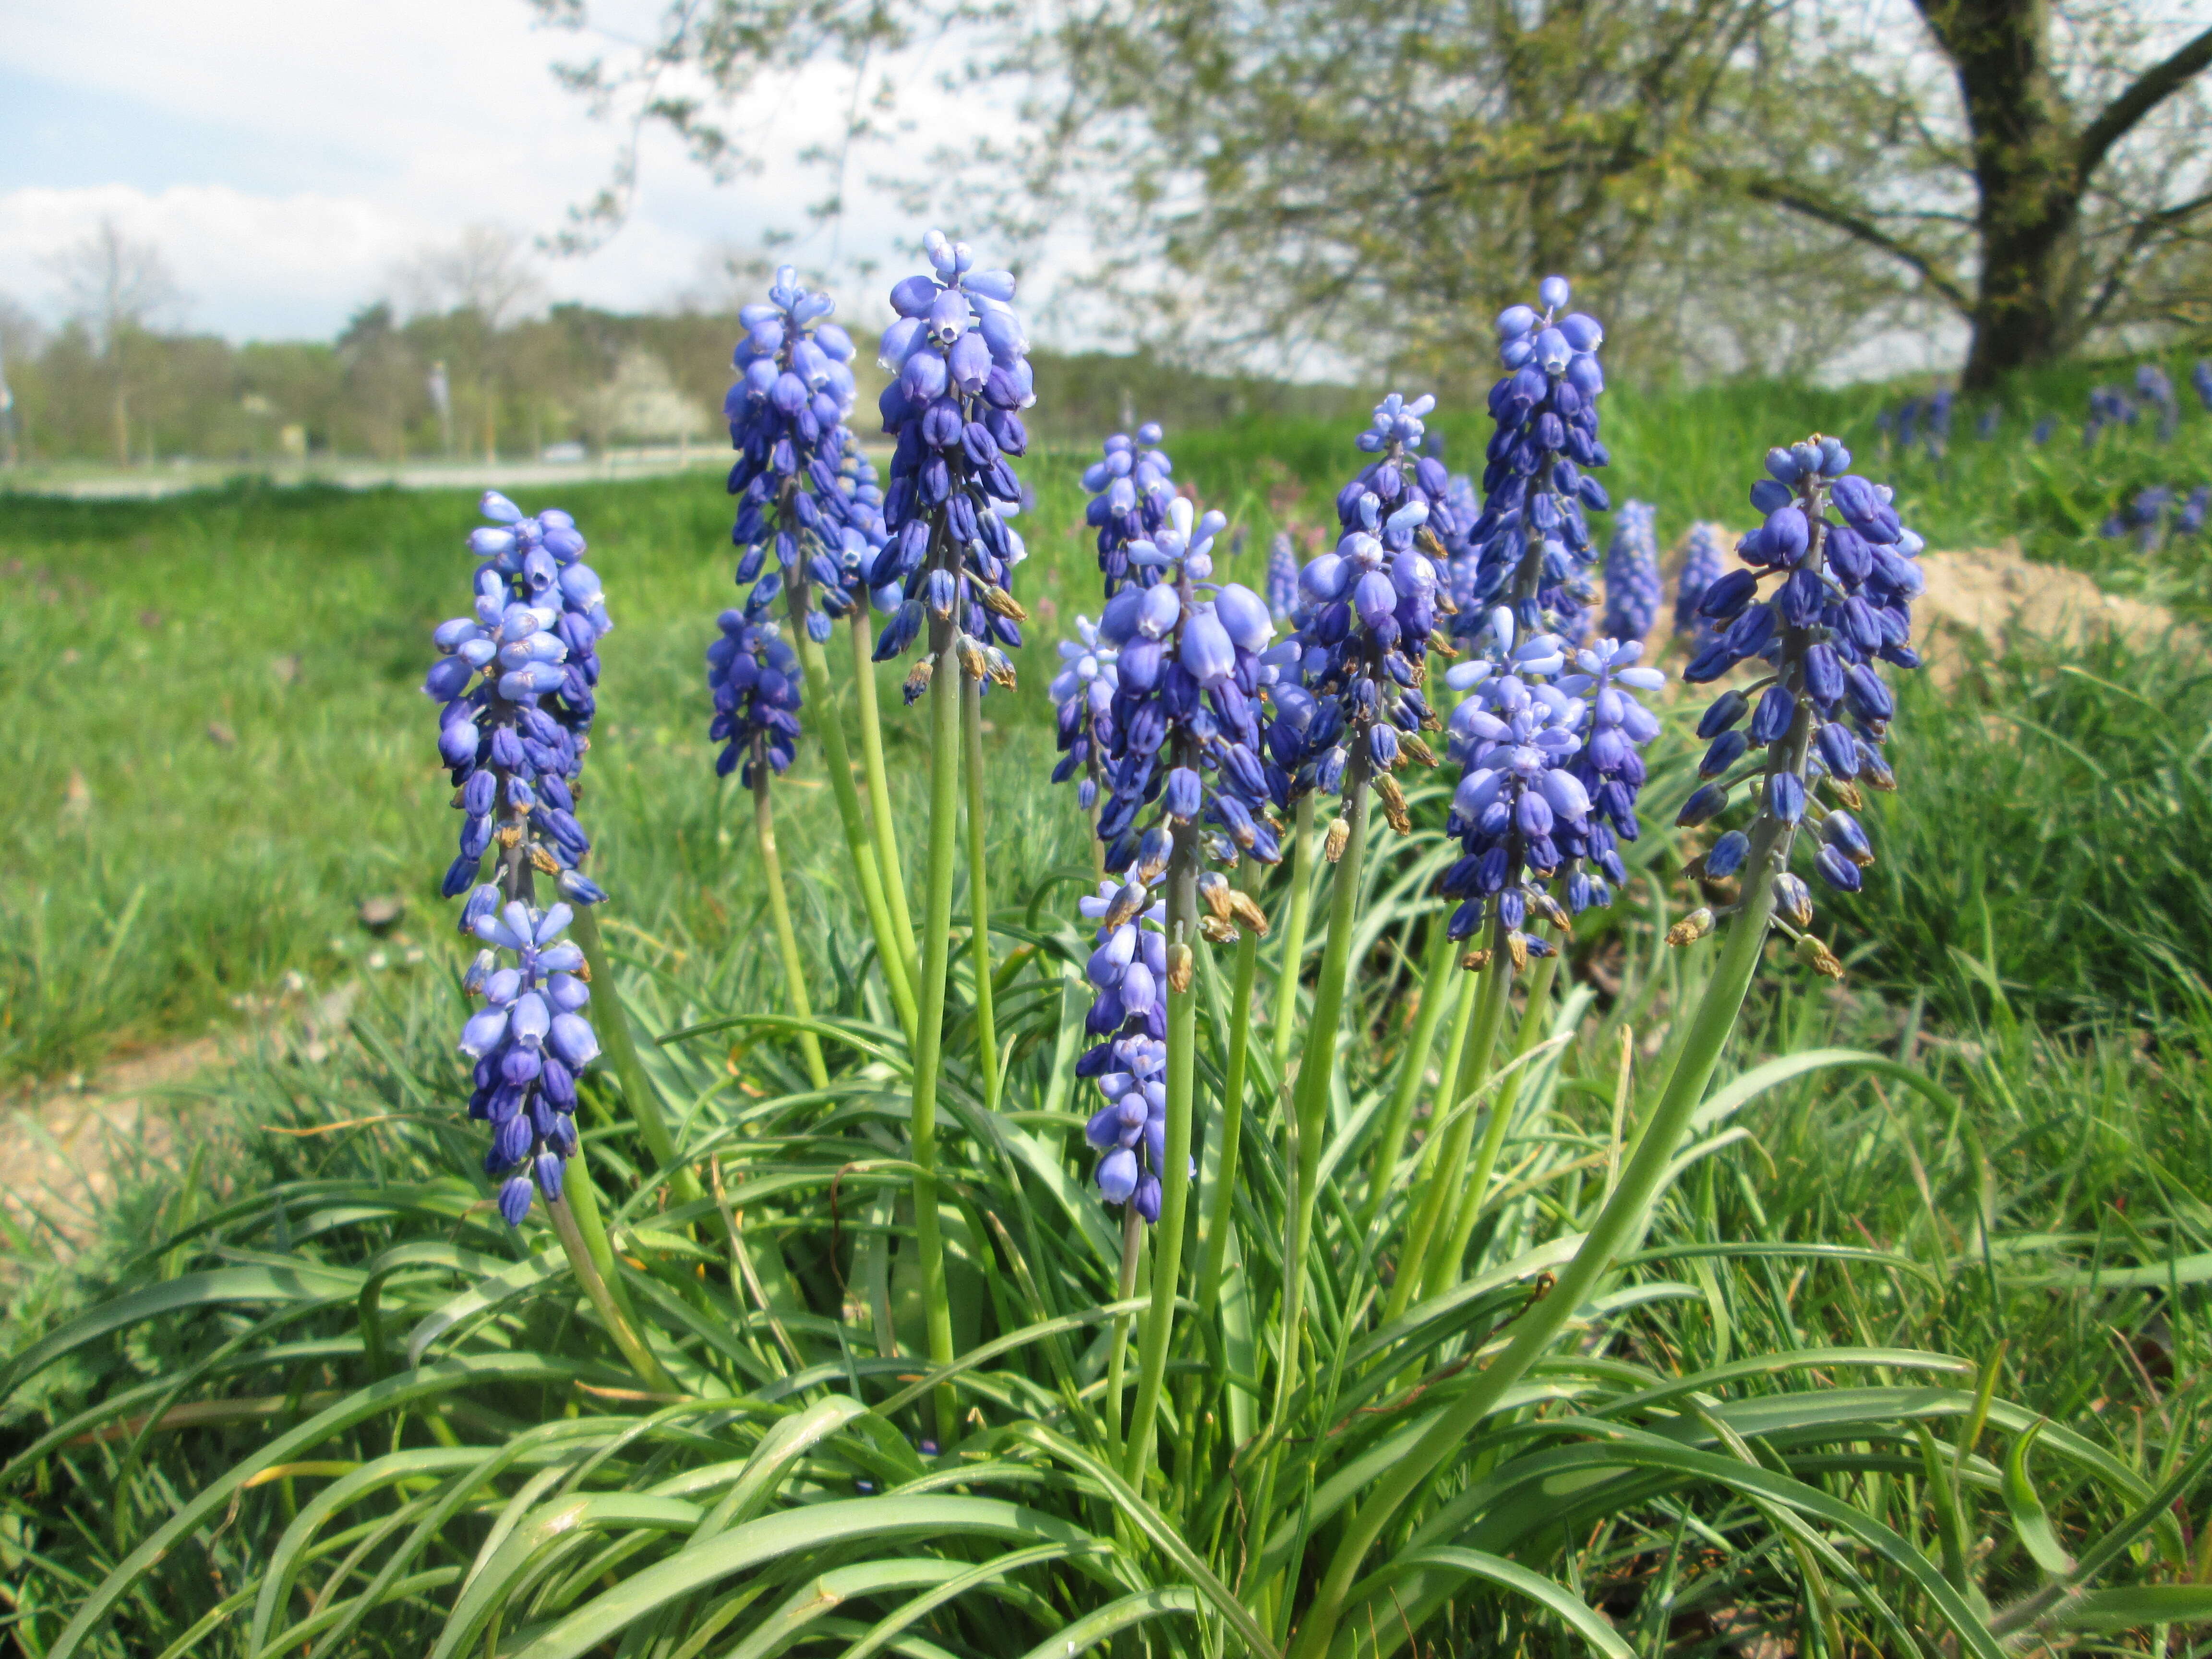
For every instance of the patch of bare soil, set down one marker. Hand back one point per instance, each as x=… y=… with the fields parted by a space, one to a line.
x=60 y=1146
x=1993 y=593
x=1996 y=594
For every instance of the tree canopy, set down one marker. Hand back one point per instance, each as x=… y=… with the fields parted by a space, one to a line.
x=1740 y=179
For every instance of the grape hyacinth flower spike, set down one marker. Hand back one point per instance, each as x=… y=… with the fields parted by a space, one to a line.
x=1632 y=573
x=1350 y=710
x=1181 y=746
x=961 y=378
x=2200 y=377
x=1083 y=696
x=806 y=492
x=1532 y=544
x=1703 y=561
x=957 y=353
x=1839 y=577
x=754 y=676
x=1186 y=785
x=787 y=412
x=1128 y=971
x=1548 y=741
x=1130 y=487
x=515 y=684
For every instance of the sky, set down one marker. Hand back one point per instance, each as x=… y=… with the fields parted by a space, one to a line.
x=287 y=159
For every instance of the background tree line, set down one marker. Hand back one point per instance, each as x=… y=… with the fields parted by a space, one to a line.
x=113 y=384
x=1736 y=184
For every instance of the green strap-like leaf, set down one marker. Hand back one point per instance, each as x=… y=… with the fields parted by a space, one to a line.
x=1165 y=1537
x=888 y=1629
x=284 y=1561
x=2029 y=1519
x=820 y=1597
x=1094 y=1627
x=301 y=1281
x=509 y=1370
x=816 y=1527
x=1555 y=1598
x=487 y=1292
x=2135 y=1608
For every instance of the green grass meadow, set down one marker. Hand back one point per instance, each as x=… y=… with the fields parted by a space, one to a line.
x=213 y=747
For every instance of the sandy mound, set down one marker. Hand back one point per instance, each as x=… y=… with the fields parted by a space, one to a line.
x=2000 y=597
x=1994 y=592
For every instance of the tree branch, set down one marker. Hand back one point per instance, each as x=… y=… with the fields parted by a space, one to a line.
x=2151 y=88
x=1782 y=193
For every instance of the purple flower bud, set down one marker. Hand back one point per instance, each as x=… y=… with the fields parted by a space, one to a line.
x=1785 y=797
x=573 y=1041
x=1207 y=654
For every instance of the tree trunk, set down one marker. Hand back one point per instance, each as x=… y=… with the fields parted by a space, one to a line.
x=2026 y=173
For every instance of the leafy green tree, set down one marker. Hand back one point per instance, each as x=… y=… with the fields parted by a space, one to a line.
x=1725 y=176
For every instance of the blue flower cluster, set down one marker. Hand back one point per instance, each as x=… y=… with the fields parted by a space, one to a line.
x=1906 y=422
x=1181 y=739
x=2201 y=378
x=2155 y=388
x=1839 y=600
x=1547 y=739
x=1532 y=543
x=1128 y=970
x=1354 y=707
x=787 y=412
x=2108 y=406
x=1083 y=696
x=754 y=677
x=1703 y=561
x=1282 y=577
x=960 y=377
x=529 y=1042
x=1632 y=573
x=2154 y=514
x=1130 y=487
x=515 y=681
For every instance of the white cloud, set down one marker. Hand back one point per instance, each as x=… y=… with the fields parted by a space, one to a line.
x=285 y=158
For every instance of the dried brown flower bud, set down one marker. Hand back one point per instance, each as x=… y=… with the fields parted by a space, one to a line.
x=1213 y=893
x=1817 y=956
x=1005 y=604
x=1218 y=929
x=1692 y=927
x=1179 y=964
x=1475 y=961
x=1128 y=904
x=1333 y=843
x=1246 y=912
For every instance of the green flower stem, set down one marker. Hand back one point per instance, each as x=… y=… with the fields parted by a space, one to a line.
x=979 y=887
x=888 y=866
x=1412 y=1063
x=1468 y=1196
x=1294 y=928
x=1133 y=1252
x=1220 y=1207
x=1487 y=991
x=612 y=1023
x=1619 y=1223
x=1310 y=1096
x=929 y=1043
x=596 y=1283
x=1175 y=1178
x=890 y=949
x=779 y=910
